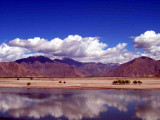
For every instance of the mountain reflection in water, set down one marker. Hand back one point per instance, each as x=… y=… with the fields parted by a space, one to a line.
x=27 y=104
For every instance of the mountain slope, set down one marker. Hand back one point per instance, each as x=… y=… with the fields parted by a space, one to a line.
x=50 y=68
x=12 y=69
x=142 y=66
x=65 y=67
x=95 y=69
x=90 y=68
x=43 y=66
x=70 y=62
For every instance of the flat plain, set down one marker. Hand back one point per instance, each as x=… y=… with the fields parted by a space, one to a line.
x=80 y=83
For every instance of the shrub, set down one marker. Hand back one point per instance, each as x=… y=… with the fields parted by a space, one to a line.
x=60 y=81
x=17 y=78
x=64 y=82
x=115 y=82
x=28 y=83
x=31 y=78
x=127 y=81
x=135 y=82
x=121 y=81
x=139 y=82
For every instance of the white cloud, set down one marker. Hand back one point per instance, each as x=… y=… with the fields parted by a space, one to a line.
x=147 y=40
x=150 y=42
x=86 y=104
x=81 y=104
x=72 y=46
x=149 y=111
x=86 y=49
x=9 y=53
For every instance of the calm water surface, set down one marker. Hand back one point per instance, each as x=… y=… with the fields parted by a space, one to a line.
x=43 y=104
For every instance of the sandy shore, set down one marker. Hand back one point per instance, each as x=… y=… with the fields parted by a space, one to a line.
x=79 y=83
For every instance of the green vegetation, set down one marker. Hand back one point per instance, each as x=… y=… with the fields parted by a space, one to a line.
x=121 y=82
x=127 y=81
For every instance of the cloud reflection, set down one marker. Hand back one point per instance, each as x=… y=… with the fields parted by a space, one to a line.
x=78 y=105
x=149 y=110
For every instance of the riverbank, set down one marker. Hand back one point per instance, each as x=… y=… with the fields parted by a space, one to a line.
x=79 y=83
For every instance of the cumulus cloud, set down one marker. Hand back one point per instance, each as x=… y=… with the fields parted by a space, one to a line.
x=148 y=111
x=9 y=53
x=71 y=46
x=150 y=42
x=147 y=40
x=85 y=104
x=79 y=105
x=86 y=49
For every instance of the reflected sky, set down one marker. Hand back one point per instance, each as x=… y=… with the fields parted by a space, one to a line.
x=43 y=104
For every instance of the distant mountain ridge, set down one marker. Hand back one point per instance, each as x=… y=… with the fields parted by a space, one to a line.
x=33 y=59
x=41 y=66
x=65 y=67
x=70 y=62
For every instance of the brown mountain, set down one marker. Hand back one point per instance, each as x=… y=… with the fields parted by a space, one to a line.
x=50 y=68
x=142 y=66
x=70 y=62
x=12 y=69
x=90 y=68
x=96 y=69
x=65 y=67
x=45 y=67
x=156 y=74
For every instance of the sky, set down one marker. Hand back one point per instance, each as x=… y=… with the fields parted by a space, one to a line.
x=107 y=31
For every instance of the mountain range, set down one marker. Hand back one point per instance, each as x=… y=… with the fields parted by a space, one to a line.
x=40 y=66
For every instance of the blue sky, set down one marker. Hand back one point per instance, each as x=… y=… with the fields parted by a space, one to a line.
x=114 y=21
